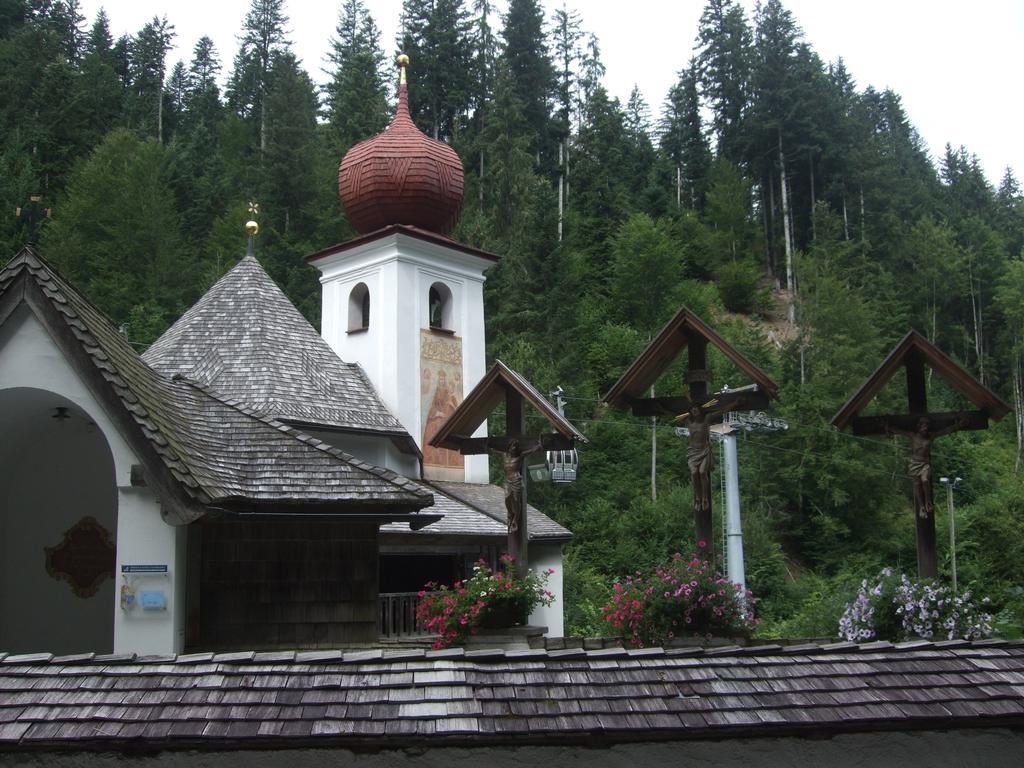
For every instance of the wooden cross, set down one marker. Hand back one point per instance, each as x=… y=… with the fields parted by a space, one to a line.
x=687 y=331
x=33 y=213
x=922 y=428
x=501 y=383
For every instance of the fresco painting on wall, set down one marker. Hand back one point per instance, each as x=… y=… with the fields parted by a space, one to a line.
x=440 y=395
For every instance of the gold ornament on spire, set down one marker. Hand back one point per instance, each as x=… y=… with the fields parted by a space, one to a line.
x=251 y=227
x=403 y=62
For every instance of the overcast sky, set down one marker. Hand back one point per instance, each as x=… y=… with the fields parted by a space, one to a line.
x=958 y=65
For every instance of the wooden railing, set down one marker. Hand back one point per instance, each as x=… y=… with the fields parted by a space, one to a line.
x=396 y=615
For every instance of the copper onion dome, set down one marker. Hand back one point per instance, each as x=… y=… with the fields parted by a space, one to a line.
x=401 y=176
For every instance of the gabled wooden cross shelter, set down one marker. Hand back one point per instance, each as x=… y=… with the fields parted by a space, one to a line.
x=502 y=384
x=912 y=354
x=632 y=391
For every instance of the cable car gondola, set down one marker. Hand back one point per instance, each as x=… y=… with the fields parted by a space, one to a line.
x=563 y=465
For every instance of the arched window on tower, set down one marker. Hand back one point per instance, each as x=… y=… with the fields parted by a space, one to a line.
x=440 y=307
x=359 y=308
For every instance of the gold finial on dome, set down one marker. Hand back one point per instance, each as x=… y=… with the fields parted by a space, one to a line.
x=403 y=62
x=252 y=228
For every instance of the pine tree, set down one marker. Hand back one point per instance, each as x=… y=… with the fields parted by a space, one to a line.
x=1010 y=214
x=202 y=98
x=437 y=37
x=39 y=109
x=641 y=157
x=508 y=178
x=356 y=96
x=289 y=169
x=775 y=104
x=263 y=35
x=683 y=140
x=967 y=190
x=723 y=67
x=526 y=57
x=485 y=53
x=567 y=36
x=148 y=55
x=99 y=89
x=175 y=95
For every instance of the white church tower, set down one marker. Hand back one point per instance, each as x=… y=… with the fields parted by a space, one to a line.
x=404 y=300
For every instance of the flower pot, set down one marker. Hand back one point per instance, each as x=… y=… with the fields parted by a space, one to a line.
x=502 y=615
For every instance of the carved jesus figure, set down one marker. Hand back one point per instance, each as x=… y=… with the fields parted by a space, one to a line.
x=921 y=441
x=699 y=457
x=513 y=457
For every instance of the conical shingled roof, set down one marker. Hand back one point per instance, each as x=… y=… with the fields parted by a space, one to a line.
x=401 y=176
x=244 y=339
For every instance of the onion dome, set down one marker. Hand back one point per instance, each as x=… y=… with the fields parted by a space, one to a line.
x=401 y=176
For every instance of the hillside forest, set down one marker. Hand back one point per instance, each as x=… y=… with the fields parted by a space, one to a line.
x=797 y=212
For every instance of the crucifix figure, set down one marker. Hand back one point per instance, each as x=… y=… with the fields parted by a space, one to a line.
x=513 y=457
x=921 y=440
x=699 y=457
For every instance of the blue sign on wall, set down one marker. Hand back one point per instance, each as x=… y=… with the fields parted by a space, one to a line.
x=144 y=569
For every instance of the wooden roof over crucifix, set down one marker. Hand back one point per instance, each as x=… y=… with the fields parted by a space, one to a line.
x=492 y=389
x=684 y=329
x=915 y=345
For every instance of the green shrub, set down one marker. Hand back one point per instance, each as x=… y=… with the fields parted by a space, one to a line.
x=738 y=286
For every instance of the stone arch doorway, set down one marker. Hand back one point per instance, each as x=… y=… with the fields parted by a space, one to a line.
x=58 y=526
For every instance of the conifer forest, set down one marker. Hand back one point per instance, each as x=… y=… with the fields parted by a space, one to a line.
x=795 y=211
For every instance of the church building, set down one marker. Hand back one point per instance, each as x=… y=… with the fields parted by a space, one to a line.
x=247 y=483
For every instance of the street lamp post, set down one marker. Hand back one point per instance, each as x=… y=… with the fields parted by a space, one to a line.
x=950 y=485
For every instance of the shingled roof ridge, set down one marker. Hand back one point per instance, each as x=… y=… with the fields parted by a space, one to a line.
x=70 y=305
x=714 y=655
x=388 y=475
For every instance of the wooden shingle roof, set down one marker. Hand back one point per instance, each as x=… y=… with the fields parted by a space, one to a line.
x=983 y=397
x=199 y=447
x=247 y=341
x=478 y=510
x=404 y=698
x=665 y=347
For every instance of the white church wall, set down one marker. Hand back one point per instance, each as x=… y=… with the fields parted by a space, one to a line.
x=144 y=540
x=399 y=270
x=29 y=358
x=545 y=555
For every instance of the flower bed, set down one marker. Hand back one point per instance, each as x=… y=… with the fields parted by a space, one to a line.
x=682 y=598
x=897 y=608
x=487 y=598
